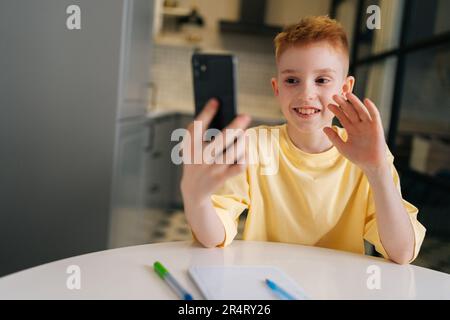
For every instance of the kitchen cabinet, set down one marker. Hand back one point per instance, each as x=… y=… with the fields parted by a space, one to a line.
x=160 y=173
x=129 y=178
x=183 y=122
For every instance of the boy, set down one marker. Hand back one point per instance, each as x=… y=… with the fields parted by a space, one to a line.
x=334 y=187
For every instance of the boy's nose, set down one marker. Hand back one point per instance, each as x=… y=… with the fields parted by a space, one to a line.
x=306 y=93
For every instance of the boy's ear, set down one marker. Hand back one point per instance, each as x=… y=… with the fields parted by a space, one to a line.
x=274 y=83
x=348 y=85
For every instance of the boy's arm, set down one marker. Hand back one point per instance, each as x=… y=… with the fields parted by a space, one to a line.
x=366 y=147
x=204 y=222
x=201 y=178
x=393 y=222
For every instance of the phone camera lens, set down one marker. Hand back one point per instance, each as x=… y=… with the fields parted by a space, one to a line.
x=203 y=67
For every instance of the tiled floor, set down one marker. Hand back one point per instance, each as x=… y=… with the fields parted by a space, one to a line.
x=172 y=226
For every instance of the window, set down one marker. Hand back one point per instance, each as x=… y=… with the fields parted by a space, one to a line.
x=424 y=118
x=427 y=19
x=375 y=41
x=405 y=69
x=402 y=67
x=376 y=81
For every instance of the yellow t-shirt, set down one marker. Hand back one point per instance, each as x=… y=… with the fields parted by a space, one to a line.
x=295 y=197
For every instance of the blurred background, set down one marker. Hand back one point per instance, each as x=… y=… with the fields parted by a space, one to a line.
x=86 y=115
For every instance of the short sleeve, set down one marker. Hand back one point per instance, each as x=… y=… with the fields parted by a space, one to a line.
x=229 y=202
x=371 y=228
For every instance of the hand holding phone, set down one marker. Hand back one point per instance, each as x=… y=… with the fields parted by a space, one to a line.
x=200 y=180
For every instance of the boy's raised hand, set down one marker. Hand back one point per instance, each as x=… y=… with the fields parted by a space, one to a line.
x=365 y=146
x=200 y=180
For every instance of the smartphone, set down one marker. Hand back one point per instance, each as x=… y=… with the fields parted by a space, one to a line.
x=215 y=77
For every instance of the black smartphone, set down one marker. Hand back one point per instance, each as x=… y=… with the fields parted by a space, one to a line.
x=215 y=77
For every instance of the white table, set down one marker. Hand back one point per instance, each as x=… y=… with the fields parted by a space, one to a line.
x=127 y=273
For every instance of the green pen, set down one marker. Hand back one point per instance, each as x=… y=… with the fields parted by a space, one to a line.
x=167 y=277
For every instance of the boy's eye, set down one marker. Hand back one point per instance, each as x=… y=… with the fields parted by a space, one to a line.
x=323 y=80
x=291 y=81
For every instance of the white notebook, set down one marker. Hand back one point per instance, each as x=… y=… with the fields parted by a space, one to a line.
x=242 y=282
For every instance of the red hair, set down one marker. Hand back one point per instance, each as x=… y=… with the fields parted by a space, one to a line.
x=310 y=30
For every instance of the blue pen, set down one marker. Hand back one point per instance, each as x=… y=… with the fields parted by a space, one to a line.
x=280 y=292
x=166 y=276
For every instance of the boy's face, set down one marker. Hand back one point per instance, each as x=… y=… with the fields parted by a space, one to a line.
x=308 y=77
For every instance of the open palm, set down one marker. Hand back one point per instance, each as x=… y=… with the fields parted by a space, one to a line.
x=365 y=145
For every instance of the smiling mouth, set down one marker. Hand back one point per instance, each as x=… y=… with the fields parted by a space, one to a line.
x=306 y=112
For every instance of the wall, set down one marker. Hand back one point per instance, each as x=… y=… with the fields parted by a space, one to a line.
x=213 y=11
x=278 y=12
x=290 y=11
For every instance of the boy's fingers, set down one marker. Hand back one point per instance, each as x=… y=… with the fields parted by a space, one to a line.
x=334 y=138
x=227 y=145
x=206 y=115
x=235 y=154
x=372 y=109
x=360 y=108
x=347 y=107
x=234 y=169
x=240 y=122
x=236 y=151
x=340 y=115
x=234 y=130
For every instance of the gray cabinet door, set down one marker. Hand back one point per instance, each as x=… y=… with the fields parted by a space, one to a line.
x=182 y=122
x=129 y=167
x=160 y=168
x=163 y=175
x=58 y=105
x=128 y=183
x=135 y=53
